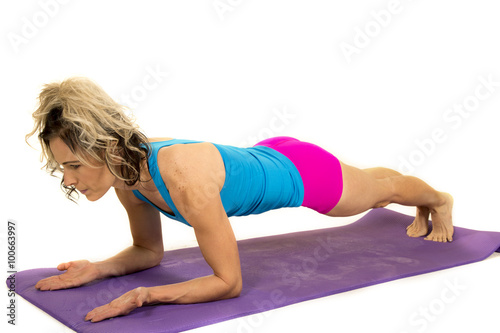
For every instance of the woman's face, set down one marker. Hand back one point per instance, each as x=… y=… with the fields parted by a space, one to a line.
x=93 y=182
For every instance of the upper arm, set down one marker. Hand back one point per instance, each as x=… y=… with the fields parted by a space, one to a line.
x=195 y=176
x=145 y=222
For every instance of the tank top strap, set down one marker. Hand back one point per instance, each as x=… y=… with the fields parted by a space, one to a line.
x=158 y=180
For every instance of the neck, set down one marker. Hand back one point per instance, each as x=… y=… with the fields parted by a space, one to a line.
x=145 y=181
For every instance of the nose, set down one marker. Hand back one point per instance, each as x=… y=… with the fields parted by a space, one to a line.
x=68 y=179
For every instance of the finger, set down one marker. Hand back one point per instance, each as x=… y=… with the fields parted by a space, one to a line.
x=49 y=285
x=55 y=283
x=64 y=266
x=104 y=312
x=39 y=284
x=45 y=283
x=92 y=314
x=63 y=284
x=42 y=282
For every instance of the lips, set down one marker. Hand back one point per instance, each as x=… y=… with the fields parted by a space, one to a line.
x=83 y=191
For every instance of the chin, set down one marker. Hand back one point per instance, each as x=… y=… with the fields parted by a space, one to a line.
x=95 y=196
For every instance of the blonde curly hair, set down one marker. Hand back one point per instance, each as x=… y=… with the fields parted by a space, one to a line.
x=94 y=127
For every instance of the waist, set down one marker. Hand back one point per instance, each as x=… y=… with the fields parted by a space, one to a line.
x=258 y=179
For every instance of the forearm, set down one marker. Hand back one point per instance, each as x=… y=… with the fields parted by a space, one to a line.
x=203 y=289
x=130 y=260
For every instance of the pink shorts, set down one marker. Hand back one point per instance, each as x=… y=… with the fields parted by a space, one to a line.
x=320 y=171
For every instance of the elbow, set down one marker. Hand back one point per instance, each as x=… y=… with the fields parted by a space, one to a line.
x=156 y=257
x=157 y=260
x=151 y=256
x=235 y=288
x=232 y=287
x=236 y=292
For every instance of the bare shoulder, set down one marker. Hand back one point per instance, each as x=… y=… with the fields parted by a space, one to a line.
x=193 y=161
x=159 y=139
x=128 y=198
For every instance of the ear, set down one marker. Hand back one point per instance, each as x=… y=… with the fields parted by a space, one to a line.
x=115 y=154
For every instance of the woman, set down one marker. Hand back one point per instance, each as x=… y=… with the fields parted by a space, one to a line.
x=85 y=135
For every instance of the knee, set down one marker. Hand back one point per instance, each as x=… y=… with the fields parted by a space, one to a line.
x=387 y=192
x=381 y=172
x=381 y=204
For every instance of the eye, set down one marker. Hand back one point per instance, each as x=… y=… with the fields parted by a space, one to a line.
x=74 y=166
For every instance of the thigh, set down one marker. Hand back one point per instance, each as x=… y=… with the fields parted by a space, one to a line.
x=362 y=191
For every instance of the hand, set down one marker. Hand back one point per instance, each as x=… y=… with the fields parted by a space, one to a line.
x=121 y=306
x=77 y=273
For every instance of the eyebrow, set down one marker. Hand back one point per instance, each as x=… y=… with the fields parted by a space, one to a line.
x=70 y=162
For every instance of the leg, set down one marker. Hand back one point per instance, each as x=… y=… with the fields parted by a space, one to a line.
x=420 y=226
x=378 y=187
x=380 y=173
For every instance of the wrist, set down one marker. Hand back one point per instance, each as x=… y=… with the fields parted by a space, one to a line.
x=159 y=295
x=101 y=270
x=148 y=296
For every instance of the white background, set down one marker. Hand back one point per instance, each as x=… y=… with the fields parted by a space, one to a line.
x=225 y=73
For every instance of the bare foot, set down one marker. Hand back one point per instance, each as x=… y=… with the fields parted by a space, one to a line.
x=442 y=225
x=420 y=226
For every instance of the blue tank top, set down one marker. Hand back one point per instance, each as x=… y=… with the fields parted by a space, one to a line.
x=258 y=179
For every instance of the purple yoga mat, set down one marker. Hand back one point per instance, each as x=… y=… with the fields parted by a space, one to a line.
x=277 y=271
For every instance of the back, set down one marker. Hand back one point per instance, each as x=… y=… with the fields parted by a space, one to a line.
x=257 y=179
